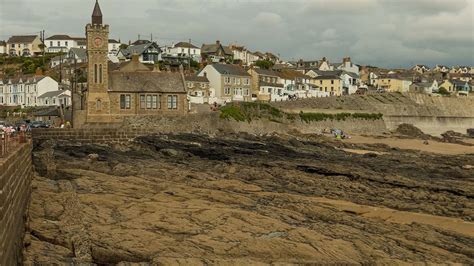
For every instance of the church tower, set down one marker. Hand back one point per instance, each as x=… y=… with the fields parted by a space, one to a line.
x=98 y=101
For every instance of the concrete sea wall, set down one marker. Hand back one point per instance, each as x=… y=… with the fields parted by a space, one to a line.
x=15 y=190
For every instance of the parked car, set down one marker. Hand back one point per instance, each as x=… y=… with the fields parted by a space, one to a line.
x=39 y=124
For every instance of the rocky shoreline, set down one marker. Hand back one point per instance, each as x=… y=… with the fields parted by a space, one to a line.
x=247 y=199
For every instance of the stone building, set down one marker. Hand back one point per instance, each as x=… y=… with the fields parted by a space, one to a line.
x=132 y=90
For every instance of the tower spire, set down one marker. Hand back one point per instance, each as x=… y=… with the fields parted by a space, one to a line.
x=97 y=14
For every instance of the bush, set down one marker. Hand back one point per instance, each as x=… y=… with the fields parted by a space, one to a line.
x=232 y=111
x=314 y=117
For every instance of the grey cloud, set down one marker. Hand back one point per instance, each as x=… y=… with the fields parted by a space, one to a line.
x=377 y=32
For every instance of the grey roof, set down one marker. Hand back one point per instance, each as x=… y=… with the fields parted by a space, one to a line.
x=327 y=77
x=138 y=49
x=79 y=52
x=22 y=39
x=185 y=45
x=213 y=48
x=457 y=82
x=113 y=41
x=52 y=94
x=351 y=74
x=196 y=78
x=269 y=84
x=226 y=69
x=60 y=37
x=328 y=73
x=146 y=82
x=266 y=72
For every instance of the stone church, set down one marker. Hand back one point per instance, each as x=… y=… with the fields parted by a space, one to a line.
x=133 y=89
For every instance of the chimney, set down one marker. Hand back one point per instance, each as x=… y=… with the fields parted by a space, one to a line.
x=346 y=60
x=39 y=72
x=324 y=59
x=218 y=42
x=205 y=74
x=135 y=58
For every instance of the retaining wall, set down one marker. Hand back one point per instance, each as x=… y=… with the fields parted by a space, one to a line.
x=203 y=123
x=15 y=190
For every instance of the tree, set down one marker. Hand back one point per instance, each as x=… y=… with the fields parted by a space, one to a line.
x=264 y=64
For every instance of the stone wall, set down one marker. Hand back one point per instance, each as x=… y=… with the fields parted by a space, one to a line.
x=15 y=191
x=202 y=123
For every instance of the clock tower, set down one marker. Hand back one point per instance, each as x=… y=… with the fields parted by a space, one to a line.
x=97 y=101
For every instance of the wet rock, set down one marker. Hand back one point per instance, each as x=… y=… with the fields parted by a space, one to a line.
x=169 y=152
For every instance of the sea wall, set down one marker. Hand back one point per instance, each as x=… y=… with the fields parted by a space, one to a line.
x=15 y=191
x=433 y=125
x=202 y=123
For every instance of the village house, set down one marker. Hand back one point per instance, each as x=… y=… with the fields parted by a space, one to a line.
x=24 y=90
x=243 y=56
x=55 y=98
x=460 y=85
x=299 y=85
x=441 y=68
x=132 y=90
x=347 y=66
x=393 y=83
x=27 y=45
x=448 y=86
x=230 y=82
x=198 y=89
x=350 y=81
x=184 y=49
x=266 y=85
x=216 y=53
x=426 y=87
x=3 y=47
x=331 y=84
x=114 y=46
x=460 y=70
x=149 y=53
x=60 y=43
x=421 y=69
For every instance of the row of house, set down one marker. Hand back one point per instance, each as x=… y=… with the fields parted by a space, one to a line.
x=444 y=69
x=32 y=91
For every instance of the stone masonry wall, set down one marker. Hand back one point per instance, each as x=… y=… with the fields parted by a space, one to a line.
x=202 y=123
x=15 y=191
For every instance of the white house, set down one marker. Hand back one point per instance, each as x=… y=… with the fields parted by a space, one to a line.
x=24 y=91
x=55 y=98
x=421 y=69
x=348 y=66
x=60 y=43
x=114 y=46
x=350 y=81
x=3 y=47
x=149 y=52
x=184 y=49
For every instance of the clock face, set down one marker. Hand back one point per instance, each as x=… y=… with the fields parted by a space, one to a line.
x=98 y=42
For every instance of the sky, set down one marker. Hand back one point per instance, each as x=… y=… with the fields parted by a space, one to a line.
x=385 y=33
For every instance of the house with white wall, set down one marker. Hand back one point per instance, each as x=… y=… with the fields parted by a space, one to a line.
x=55 y=98
x=24 y=45
x=60 y=43
x=3 y=47
x=24 y=91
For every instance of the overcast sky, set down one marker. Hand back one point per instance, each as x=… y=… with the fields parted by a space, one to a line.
x=387 y=33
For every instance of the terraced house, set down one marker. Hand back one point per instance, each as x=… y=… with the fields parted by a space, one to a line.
x=24 y=91
x=230 y=82
x=267 y=86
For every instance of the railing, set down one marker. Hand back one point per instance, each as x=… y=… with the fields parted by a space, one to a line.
x=11 y=141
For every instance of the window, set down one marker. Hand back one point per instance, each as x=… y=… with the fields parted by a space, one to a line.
x=332 y=81
x=98 y=105
x=246 y=92
x=227 y=91
x=13 y=45
x=100 y=74
x=246 y=81
x=125 y=101
x=50 y=43
x=321 y=82
x=172 y=102
x=155 y=102
x=237 y=80
x=226 y=80
x=190 y=85
x=148 y=102
x=203 y=85
x=95 y=73
x=65 y=43
x=59 y=43
x=142 y=102
x=233 y=80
